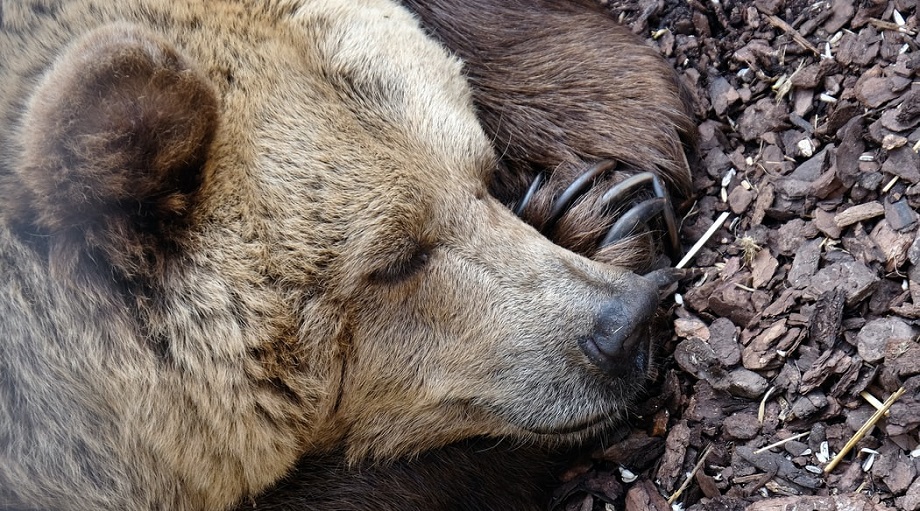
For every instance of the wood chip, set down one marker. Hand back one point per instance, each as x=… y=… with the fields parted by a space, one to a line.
x=859 y=213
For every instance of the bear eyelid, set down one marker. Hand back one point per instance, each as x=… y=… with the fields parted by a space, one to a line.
x=402 y=268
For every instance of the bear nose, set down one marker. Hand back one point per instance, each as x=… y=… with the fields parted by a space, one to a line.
x=619 y=339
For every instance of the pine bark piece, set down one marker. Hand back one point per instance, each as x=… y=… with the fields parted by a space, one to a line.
x=777 y=463
x=643 y=496
x=671 y=468
x=827 y=317
x=853 y=277
x=763 y=268
x=872 y=340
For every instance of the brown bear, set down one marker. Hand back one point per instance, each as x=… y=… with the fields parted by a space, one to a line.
x=238 y=234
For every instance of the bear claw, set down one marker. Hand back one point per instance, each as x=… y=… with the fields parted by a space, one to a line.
x=627 y=223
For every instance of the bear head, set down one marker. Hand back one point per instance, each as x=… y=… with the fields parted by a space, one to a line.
x=247 y=244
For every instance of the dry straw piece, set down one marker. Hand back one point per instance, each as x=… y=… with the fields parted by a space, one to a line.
x=864 y=429
x=691 y=475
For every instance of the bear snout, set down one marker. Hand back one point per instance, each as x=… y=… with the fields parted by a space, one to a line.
x=618 y=343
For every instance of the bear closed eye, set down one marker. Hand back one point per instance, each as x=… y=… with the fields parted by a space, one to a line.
x=407 y=265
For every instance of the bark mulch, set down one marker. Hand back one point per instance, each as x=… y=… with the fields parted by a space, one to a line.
x=805 y=317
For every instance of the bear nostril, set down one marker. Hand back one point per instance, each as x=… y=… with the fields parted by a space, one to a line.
x=612 y=335
x=617 y=344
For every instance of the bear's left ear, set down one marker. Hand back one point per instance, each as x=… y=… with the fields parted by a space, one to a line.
x=115 y=136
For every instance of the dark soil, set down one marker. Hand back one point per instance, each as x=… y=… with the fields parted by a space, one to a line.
x=807 y=304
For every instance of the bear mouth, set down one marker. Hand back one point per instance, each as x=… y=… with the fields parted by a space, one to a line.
x=610 y=409
x=582 y=426
x=627 y=382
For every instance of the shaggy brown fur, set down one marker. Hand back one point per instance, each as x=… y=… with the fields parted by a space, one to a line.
x=238 y=234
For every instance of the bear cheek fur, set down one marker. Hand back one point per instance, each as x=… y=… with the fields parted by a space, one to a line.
x=422 y=365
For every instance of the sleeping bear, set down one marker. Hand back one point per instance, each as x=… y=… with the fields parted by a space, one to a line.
x=315 y=238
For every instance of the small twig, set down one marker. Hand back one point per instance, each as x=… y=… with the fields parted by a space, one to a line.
x=762 y=409
x=887 y=25
x=696 y=468
x=781 y=442
x=761 y=481
x=864 y=429
x=702 y=241
x=777 y=22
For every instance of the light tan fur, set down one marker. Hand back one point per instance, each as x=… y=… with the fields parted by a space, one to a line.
x=294 y=251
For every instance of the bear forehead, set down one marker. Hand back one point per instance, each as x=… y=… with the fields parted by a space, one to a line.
x=360 y=99
x=342 y=124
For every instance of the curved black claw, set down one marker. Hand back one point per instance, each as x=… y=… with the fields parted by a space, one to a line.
x=531 y=191
x=639 y=214
x=665 y=276
x=643 y=212
x=576 y=190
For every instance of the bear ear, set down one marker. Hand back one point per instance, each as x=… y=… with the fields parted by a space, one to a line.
x=116 y=135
